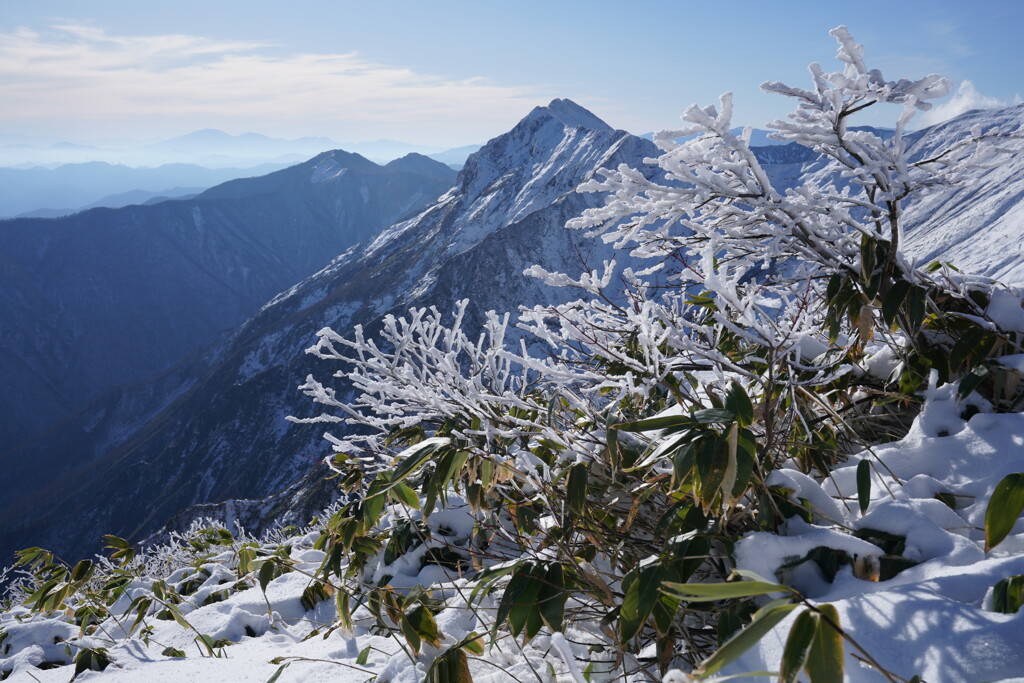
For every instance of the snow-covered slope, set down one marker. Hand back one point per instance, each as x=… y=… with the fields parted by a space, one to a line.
x=935 y=619
x=977 y=227
x=226 y=435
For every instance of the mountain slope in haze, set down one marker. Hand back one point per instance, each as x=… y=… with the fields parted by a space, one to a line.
x=72 y=187
x=213 y=141
x=111 y=297
x=116 y=201
x=226 y=435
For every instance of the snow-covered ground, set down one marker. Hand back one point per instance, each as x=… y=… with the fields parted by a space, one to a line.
x=934 y=619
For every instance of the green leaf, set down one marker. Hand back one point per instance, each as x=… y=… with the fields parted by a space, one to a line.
x=82 y=571
x=314 y=594
x=403 y=493
x=916 y=308
x=683 y=462
x=834 y=283
x=970 y=381
x=710 y=592
x=523 y=603
x=1008 y=595
x=90 y=659
x=867 y=258
x=373 y=503
x=342 y=604
x=665 y=446
x=246 y=556
x=968 y=344
x=175 y=652
x=1004 y=508
x=485 y=579
x=450 y=667
x=746 y=463
x=576 y=487
x=474 y=642
x=411 y=636
x=641 y=597
x=520 y=592
x=738 y=403
x=798 y=646
x=414 y=456
x=893 y=300
x=266 y=574
x=710 y=415
x=551 y=597
x=422 y=620
x=178 y=616
x=653 y=423
x=765 y=619
x=520 y=603
x=863 y=485
x=825 y=661
x=712 y=463
x=277 y=674
x=206 y=642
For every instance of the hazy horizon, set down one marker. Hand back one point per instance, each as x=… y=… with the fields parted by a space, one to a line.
x=450 y=74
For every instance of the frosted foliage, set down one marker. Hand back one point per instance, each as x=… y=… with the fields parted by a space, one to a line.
x=710 y=221
x=423 y=372
x=715 y=196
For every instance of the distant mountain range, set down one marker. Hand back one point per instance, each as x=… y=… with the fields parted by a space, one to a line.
x=115 y=178
x=105 y=297
x=211 y=426
x=71 y=188
x=116 y=201
x=210 y=148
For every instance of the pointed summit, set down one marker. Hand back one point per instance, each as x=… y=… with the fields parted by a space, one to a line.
x=570 y=115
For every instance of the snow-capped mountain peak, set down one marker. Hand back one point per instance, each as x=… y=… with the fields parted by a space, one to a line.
x=569 y=114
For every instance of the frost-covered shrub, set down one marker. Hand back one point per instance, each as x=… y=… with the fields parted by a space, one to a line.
x=608 y=481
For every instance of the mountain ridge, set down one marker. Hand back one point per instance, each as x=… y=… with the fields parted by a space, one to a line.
x=135 y=289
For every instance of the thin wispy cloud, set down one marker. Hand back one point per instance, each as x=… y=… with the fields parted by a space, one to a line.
x=184 y=81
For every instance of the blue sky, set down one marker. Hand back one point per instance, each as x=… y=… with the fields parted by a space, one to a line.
x=448 y=73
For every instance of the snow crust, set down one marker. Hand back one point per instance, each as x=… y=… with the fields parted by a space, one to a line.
x=934 y=619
